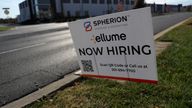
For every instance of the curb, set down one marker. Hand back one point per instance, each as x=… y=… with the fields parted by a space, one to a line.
x=68 y=79
x=158 y=35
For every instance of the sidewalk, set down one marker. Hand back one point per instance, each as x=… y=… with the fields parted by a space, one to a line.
x=161 y=46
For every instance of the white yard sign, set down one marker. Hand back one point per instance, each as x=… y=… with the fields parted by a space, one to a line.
x=117 y=46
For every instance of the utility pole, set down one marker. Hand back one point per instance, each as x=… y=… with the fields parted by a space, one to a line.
x=139 y=4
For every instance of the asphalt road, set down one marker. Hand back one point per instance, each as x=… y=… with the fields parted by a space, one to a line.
x=29 y=63
x=34 y=28
x=31 y=59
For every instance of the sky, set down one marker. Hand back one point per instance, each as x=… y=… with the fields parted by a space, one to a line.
x=184 y=2
x=14 y=9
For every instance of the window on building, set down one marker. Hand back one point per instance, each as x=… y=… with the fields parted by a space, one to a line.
x=85 y=1
x=68 y=14
x=101 y=1
x=127 y=2
x=26 y=3
x=122 y=1
x=43 y=1
x=77 y=13
x=87 y=13
x=94 y=1
x=20 y=6
x=76 y=1
x=115 y=1
x=23 y=4
x=109 y=1
x=66 y=1
x=132 y=2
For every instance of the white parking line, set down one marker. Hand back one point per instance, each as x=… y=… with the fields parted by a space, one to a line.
x=22 y=48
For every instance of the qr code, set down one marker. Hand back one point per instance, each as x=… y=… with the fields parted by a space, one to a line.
x=87 y=65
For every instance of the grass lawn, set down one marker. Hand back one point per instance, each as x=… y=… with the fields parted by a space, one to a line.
x=174 y=89
x=5 y=28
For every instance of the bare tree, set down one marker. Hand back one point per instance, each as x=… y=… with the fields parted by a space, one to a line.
x=139 y=4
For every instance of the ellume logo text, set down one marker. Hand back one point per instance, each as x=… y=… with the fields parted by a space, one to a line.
x=87 y=26
x=108 y=38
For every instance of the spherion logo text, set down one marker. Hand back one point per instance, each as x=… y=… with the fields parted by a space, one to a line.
x=87 y=26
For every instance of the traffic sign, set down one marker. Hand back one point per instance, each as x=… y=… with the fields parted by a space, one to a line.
x=6 y=12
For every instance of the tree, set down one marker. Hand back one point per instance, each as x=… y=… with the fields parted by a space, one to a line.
x=139 y=4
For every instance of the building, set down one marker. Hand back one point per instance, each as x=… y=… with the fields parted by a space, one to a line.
x=33 y=10
x=91 y=8
x=188 y=8
x=25 y=12
x=64 y=10
x=41 y=10
x=165 y=8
